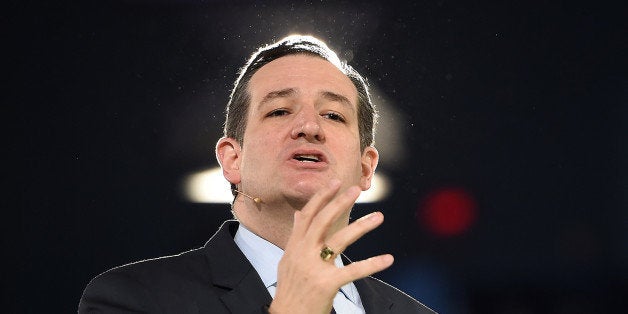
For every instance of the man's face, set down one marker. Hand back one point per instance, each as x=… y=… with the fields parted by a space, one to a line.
x=302 y=131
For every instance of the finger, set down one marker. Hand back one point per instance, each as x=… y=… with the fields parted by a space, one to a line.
x=367 y=267
x=351 y=233
x=303 y=218
x=330 y=214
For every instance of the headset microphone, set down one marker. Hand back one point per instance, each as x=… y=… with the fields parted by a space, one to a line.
x=257 y=200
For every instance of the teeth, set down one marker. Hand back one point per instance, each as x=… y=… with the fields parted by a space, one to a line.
x=307 y=158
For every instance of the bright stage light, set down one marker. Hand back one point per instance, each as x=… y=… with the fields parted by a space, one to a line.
x=209 y=186
x=380 y=187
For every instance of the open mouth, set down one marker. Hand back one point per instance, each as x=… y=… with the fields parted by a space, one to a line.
x=307 y=158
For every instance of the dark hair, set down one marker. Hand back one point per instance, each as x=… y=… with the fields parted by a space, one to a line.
x=237 y=108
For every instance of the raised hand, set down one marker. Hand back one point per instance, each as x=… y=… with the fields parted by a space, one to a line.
x=307 y=283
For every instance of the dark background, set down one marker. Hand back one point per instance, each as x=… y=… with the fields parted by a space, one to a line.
x=523 y=105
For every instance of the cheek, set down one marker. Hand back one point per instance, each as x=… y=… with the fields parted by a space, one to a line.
x=258 y=152
x=351 y=158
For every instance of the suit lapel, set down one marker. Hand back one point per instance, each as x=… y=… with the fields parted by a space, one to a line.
x=245 y=291
x=372 y=300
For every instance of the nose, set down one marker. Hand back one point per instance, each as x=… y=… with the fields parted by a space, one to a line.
x=307 y=125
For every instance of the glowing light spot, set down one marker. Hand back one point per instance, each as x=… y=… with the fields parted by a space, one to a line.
x=209 y=186
x=448 y=212
x=380 y=187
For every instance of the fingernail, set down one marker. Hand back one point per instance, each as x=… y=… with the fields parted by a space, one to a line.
x=373 y=217
x=388 y=259
x=376 y=216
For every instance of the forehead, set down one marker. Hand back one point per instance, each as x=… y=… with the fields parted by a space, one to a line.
x=304 y=73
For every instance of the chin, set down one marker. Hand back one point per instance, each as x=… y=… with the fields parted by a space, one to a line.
x=304 y=190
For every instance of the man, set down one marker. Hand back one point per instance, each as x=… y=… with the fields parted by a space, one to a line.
x=297 y=151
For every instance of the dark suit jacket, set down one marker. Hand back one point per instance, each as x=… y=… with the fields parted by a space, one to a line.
x=216 y=278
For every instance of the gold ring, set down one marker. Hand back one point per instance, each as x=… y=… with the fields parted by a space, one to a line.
x=327 y=253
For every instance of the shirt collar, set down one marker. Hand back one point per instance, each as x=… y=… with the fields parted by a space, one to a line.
x=265 y=256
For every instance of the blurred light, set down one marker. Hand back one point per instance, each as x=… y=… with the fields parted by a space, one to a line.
x=448 y=211
x=390 y=138
x=380 y=187
x=209 y=186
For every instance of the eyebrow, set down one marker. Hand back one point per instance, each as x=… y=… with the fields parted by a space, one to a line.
x=338 y=98
x=289 y=92
x=278 y=94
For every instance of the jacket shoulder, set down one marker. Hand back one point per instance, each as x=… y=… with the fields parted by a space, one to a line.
x=150 y=284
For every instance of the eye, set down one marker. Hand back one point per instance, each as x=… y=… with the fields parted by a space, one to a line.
x=334 y=116
x=278 y=112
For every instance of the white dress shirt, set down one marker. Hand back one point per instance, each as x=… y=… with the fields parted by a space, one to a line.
x=265 y=256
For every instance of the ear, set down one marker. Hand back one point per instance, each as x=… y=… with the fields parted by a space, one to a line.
x=370 y=157
x=228 y=153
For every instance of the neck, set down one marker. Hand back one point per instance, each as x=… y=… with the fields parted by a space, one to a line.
x=272 y=221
